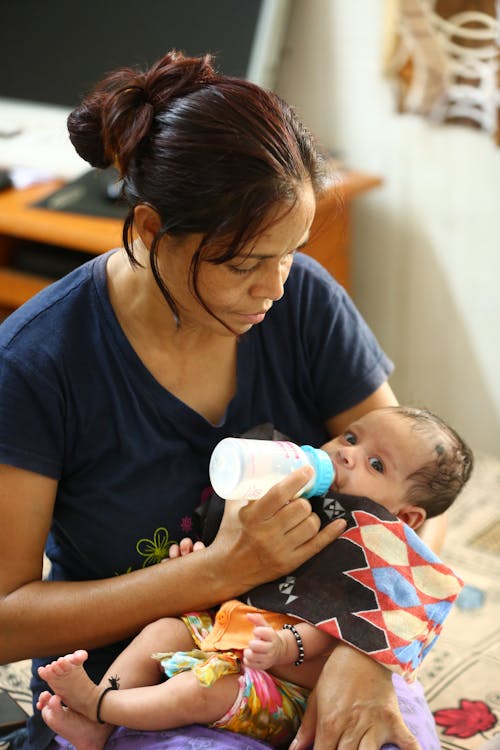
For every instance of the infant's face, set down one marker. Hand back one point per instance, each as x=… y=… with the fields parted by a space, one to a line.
x=376 y=455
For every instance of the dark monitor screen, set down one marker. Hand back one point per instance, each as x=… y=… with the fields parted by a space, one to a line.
x=54 y=51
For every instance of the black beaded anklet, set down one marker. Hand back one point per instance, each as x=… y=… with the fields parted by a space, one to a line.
x=114 y=684
x=298 y=639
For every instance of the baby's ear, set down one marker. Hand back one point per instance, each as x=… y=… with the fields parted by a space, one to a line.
x=413 y=515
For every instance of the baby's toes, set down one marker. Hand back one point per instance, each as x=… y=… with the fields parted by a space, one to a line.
x=43 y=699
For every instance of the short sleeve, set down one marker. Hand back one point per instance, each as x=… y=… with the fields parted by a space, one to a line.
x=31 y=418
x=341 y=359
x=348 y=353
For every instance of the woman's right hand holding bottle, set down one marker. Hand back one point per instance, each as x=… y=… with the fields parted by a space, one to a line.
x=261 y=540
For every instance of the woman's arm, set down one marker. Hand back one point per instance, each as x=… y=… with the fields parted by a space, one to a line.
x=353 y=705
x=262 y=541
x=433 y=532
x=383 y=396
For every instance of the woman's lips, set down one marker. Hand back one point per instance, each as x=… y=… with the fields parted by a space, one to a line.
x=253 y=317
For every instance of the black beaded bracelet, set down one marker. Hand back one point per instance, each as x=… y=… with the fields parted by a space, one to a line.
x=298 y=639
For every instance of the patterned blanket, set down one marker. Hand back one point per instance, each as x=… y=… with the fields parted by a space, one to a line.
x=378 y=587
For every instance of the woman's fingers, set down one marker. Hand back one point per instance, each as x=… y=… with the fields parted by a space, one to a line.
x=305 y=735
x=369 y=734
x=290 y=521
x=353 y=707
x=279 y=496
x=271 y=536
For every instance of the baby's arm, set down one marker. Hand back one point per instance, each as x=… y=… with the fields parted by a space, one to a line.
x=270 y=647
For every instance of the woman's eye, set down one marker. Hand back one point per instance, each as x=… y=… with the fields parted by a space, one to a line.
x=241 y=271
x=350 y=438
x=376 y=464
x=286 y=261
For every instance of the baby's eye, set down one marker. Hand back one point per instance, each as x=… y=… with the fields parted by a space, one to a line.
x=349 y=437
x=376 y=464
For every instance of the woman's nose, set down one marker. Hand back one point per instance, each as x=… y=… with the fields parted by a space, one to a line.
x=271 y=285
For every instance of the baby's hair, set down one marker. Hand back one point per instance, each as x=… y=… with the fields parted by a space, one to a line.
x=211 y=154
x=436 y=485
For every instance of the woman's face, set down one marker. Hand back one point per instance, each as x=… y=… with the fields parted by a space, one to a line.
x=241 y=291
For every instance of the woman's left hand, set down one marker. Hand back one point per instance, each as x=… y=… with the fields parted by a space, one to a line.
x=353 y=705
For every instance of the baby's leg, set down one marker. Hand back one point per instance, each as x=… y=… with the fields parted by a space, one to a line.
x=179 y=701
x=82 y=733
x=135 y=667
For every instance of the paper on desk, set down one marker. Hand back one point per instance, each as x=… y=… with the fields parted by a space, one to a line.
x=34 y=137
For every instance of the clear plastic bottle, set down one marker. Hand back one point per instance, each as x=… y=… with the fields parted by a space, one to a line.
x=244 y=469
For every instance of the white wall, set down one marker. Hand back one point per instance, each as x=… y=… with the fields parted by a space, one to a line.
x=426 y=244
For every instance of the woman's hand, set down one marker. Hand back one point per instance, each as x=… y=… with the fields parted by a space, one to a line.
x=353 y=705
x=262 y=540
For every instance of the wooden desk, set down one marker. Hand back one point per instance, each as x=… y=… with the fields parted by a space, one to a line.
x=20 y=222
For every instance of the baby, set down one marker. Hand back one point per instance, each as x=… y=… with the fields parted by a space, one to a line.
x=252 y=670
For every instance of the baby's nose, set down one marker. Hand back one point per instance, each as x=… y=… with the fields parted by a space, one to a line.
x=347 y=456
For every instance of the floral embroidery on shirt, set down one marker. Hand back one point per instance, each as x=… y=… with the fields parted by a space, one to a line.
x=186 y=524
x=129 y=570
x=156 y=549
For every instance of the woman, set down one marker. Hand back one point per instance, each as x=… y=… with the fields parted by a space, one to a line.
x=118 y=381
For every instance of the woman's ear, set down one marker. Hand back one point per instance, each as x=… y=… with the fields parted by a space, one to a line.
x=147 y=223
x=412 y=515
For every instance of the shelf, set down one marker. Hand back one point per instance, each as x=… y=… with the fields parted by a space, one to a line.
x=17 y=286
x=21 y=223
x=18 y=218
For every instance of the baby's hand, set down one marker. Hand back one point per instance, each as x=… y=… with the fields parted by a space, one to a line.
x=265 y=648
x=185 y=547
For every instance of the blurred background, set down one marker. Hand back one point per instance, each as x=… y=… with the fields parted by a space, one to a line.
x=426 y=244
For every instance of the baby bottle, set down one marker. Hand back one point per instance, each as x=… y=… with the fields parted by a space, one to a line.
x=244 y=469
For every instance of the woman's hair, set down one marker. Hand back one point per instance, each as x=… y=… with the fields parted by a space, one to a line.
x=436 y=484
x=211 y=154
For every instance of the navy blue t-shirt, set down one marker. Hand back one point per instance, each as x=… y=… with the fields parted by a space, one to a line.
x=78 y=405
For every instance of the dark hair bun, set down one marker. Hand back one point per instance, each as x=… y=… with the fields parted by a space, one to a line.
x=117 y=114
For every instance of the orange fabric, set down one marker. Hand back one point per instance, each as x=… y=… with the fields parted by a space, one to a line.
x=233 y=630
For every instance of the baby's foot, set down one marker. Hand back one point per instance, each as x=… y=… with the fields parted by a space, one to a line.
x=81 y=732
x=67 y=678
